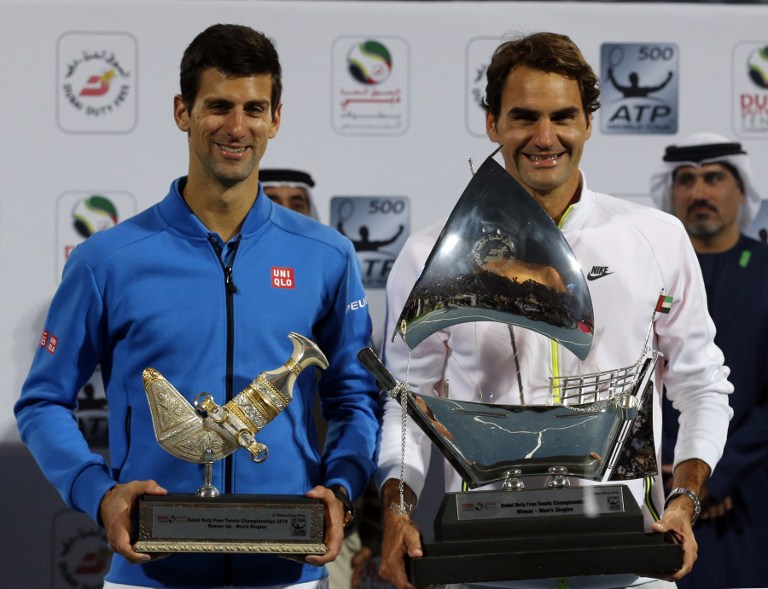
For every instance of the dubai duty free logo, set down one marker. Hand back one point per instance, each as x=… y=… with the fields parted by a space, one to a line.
x=639 y=88
x=80 y=214
x=750 y=85
x=370 y=86
x=97 y=82
x=81 y=557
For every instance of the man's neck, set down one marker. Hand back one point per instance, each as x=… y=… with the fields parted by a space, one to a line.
x=556 y=205
x=221 y=209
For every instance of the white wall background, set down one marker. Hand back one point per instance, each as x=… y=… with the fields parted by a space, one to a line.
x=43 y=164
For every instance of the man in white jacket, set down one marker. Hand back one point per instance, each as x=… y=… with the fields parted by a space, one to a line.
x=540 y=97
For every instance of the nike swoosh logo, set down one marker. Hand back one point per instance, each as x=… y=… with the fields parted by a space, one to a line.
x=592 y=276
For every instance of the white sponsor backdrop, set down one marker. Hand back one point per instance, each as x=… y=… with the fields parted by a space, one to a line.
x=86 y=110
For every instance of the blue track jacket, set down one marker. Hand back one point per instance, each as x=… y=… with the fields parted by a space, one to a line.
x=154 y=292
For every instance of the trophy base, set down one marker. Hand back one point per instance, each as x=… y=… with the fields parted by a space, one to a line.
x=541 y=533
x=264 y=524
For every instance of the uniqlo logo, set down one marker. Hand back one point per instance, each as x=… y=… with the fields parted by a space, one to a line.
x=282 y=277
x=49 y=342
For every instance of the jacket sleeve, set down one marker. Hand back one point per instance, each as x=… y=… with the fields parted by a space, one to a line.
x=348 y=392
x=422 y=371
x=695 y=377
x=70 y=349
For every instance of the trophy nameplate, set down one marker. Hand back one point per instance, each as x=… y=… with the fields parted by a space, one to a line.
x=280 y=524
x=205 y=432
x=501 y=258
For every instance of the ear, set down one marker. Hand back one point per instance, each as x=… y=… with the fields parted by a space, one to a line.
x=276 y=121
x=589 y=126
x=490 y=127
x=180 y=113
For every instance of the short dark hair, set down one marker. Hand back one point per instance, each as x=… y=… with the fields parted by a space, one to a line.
x=234 y=50
x=545 y=52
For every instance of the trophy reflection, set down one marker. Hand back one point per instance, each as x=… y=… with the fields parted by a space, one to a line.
x=501 y=258
x=204 y=432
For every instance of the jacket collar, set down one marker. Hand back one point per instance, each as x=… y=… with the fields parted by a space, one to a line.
x=178 y=215
x=578 y=213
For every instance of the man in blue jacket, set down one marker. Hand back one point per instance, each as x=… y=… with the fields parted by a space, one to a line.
x=205 y=287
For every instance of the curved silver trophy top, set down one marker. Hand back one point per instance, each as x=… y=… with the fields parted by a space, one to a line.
x=501 y=258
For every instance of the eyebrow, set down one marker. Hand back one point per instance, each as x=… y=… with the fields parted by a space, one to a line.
x=519 y=111
x=709 y=174
x=220 y=100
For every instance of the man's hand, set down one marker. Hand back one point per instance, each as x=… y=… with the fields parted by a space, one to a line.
x=676 y=522
x=400 y=537
x=115 y=512
x=334 y=525
x=677 y=519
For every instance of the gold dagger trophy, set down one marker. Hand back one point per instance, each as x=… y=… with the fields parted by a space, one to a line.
x=204 y=432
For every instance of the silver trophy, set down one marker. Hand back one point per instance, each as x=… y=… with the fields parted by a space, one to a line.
x=501 y=258
x=203 y=432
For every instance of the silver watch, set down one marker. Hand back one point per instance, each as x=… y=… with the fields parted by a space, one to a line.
x=691 y=495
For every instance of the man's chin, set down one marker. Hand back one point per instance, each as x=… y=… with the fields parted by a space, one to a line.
x=231 y=178
x=703 y=230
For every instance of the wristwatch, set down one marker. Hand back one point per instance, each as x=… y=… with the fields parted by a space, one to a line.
x=691 y=495
x=349 y=507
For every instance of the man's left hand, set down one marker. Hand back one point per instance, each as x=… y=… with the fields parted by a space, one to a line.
x=334 y=525
x=676 y=522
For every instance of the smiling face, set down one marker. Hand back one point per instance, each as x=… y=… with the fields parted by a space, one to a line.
x=707 y=200
x=542 y=128
x=229 y=126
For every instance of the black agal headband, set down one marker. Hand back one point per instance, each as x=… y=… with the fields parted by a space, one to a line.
x=699 y=153
x=286 y=176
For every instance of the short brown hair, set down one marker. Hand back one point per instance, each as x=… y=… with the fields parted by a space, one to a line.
x=546 y=52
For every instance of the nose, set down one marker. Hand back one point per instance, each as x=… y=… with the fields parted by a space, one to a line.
x=544 y=134
x=234 y=123
x=698 y=189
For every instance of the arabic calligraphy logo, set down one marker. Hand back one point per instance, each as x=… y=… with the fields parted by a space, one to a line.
x=95 y=83
x=93 y=214
x=758 y=67
x=493 y=248
x=369 y=62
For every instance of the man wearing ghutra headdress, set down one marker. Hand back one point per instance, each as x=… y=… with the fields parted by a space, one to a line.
x=706 y=181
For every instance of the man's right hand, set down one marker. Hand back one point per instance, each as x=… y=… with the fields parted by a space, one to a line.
x=400 y=536
x=115 y=511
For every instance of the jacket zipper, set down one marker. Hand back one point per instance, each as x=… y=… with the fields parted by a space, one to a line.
x=230 y=289
x=554 y=347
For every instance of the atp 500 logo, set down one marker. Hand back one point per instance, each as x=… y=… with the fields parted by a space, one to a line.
x=97 y=82
x=639 y=88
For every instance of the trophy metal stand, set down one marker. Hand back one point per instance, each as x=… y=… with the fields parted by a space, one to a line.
x=520 y=533
x=208 y=490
